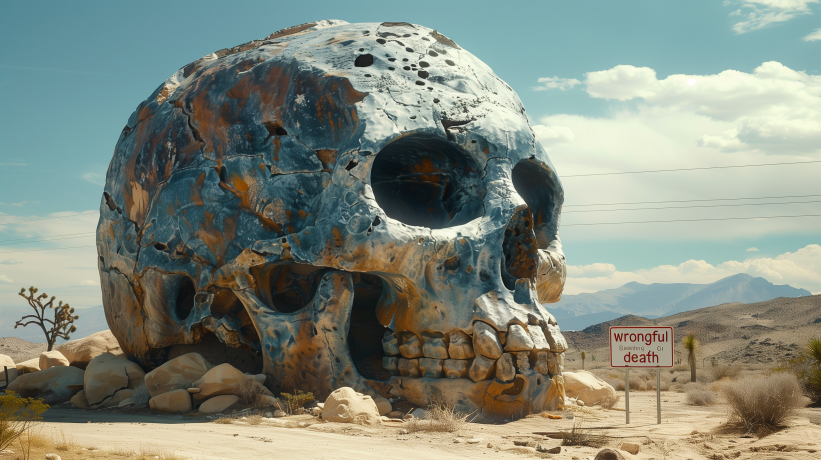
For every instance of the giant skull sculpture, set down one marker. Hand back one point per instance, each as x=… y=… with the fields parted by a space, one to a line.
x=362 y=205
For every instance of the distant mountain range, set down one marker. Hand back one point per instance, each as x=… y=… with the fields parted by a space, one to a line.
x=576 y=312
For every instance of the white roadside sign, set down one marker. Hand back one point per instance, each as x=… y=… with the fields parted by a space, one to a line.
x=641 y=346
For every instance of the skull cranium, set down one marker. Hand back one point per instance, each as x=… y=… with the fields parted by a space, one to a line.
x=362 y=205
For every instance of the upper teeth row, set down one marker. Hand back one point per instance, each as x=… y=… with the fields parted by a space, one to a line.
x=486 y=355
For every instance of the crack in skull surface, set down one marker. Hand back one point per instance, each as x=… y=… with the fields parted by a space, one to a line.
x=337 y=216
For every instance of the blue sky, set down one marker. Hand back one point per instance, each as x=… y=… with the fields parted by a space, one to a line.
x=625 y=86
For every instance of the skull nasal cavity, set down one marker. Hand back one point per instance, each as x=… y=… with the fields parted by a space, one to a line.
x=427 y=182
x=185 y=298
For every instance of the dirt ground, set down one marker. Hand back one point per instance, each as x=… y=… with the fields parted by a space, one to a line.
x=686 y=432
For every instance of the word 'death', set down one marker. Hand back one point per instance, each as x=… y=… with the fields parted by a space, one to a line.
x=641 y=346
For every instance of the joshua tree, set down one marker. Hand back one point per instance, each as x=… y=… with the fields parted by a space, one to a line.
x=583 y=356
x=814 y=372
x=690 y=345
x=64 y=316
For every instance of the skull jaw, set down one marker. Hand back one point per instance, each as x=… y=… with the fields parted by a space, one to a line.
x=308 y=350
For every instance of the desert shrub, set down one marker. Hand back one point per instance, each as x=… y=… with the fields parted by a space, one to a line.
x=254 y=419
x=439 y=417
x=17 y=415
x=721 y=372
x=581 y=436
x=764 y=401
x=696 y=396
x=249 y=392
x=141 y=396
x=295 y=400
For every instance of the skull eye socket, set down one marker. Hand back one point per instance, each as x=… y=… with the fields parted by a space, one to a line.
x=427 y=182
x=542 y=192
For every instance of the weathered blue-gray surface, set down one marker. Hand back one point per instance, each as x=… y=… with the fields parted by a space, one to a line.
x=347 y=200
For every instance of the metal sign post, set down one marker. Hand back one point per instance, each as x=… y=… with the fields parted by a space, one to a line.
x=642 y=347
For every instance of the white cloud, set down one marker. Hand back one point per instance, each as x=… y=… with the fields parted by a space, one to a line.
x=88 y=283
x=10 y=262
x=549 y=135
x=13 y=164
x=773 y=109
x=813 y=36
x=800 y=269
x=94 y=178
x=753 y=249
x=557 y=83
x=5 y=279
x=757 y=14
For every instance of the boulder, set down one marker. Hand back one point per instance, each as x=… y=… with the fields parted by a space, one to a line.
x=32 y=365
x=178 y=373
x=80 y=352
x=347 y=406
x=176 y=401
x=7 y=363
x=586 y=387
x=226 y=379
x=382 y=405
x=79 y=400
x=609 y=454
x=51 y=359
x=106 y=375
x=218 y=404
x=54 y=385
x=630 y=447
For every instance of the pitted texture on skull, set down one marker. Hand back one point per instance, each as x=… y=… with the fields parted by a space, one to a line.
x=362 y=205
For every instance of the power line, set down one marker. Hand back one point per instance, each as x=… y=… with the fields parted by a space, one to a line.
x=46 y=238
x=53 y=249
x=691 y=201
x=691 y=169
x=49 y=218
x=689 y=220
x=696 y=206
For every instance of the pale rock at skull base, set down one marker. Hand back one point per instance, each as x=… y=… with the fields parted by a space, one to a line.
x=80 y=352
x=107 y=374
x=345 y=405
x=175 y=402
x=486 y=340
x=586 y=387
x=127 y=402
x=226 y=379
x=505 y=370
x=7 y=362
x=482 y=368
x=630 y=447
x=460 y=346
x=79 y=400
x=31 y=365
x=180 y=372
x=54 y=385
x=52 y=358
x=218 y=404
x=382 y=404
x=517 y=339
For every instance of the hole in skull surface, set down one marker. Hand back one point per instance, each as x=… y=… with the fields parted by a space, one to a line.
x=537 y=185
x=428 y=182
x=365 y=332
x=226 y=303
x=185 y=298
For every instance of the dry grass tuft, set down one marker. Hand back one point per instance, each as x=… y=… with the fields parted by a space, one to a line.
x=763 y=402
x=255 y=419
x=439 y=417
x=725 y=372
x=141 y=396
x=580 y=436
x=698 y=396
